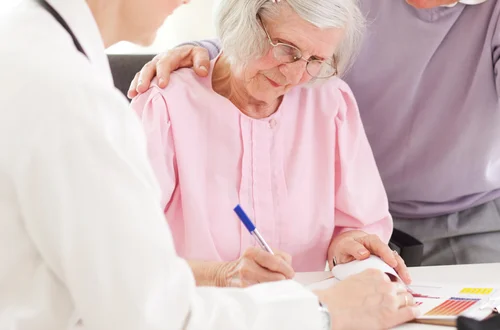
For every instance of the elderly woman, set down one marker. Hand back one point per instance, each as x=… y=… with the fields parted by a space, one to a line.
x=271 y=127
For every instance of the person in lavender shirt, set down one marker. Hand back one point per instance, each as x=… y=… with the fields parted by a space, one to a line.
x=427 y=85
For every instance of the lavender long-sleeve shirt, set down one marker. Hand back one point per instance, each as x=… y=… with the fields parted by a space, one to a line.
x=427 y=86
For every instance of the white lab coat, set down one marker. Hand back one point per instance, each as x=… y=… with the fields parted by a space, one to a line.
x=82 y=235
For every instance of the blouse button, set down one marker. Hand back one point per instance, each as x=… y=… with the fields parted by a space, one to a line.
x=272 y=123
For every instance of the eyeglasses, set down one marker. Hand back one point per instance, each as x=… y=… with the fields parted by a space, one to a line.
x=286 y=53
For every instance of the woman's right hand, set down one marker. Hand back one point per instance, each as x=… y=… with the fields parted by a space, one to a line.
x=255 y=266
x=163 y=64
x=368 y=300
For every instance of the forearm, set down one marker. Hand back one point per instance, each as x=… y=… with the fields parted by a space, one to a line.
x=210 y=273
x=269 y=306
x=90 y=207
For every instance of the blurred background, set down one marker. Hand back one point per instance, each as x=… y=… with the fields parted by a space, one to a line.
x=190 y=22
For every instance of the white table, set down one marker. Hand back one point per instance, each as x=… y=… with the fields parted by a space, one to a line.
x=477 y=275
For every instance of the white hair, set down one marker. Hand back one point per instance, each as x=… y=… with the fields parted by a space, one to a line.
x=243 y=38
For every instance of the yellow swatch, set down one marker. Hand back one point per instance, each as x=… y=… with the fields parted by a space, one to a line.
x=476 y=290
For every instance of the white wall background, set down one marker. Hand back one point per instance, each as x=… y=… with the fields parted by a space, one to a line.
x=189 y=22
x=7 y=4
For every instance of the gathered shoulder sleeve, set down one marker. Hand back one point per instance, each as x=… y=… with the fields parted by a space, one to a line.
x=360 y=198
x=152 y=109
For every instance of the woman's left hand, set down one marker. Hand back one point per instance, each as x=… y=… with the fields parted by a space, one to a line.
x=358 y=245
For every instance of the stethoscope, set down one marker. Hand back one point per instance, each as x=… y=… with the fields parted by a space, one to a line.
x=63 y=23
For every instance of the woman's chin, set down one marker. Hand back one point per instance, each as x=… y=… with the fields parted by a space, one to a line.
x=270 y=96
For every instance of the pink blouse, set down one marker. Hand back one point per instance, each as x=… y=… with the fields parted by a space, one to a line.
x=303 y=175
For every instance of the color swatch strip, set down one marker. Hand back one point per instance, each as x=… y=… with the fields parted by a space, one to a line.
x=452 y=307
x=481 y=291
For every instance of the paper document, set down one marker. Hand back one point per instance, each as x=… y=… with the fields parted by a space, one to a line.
x=343 y=271
x=308 y=278
x=442 y=304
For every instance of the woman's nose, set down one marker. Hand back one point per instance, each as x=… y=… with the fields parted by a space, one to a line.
x=294 y=72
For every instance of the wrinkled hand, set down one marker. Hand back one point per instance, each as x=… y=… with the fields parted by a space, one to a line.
x=256 y=266
x=165 y=63
x=358 y=245
x=368 y=300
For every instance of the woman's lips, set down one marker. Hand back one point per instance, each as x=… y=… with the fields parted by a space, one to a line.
x=273 y=83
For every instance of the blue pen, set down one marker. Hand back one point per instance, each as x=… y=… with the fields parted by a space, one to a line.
x=251 y=228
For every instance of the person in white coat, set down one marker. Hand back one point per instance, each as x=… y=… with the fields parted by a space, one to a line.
x=83 y=240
